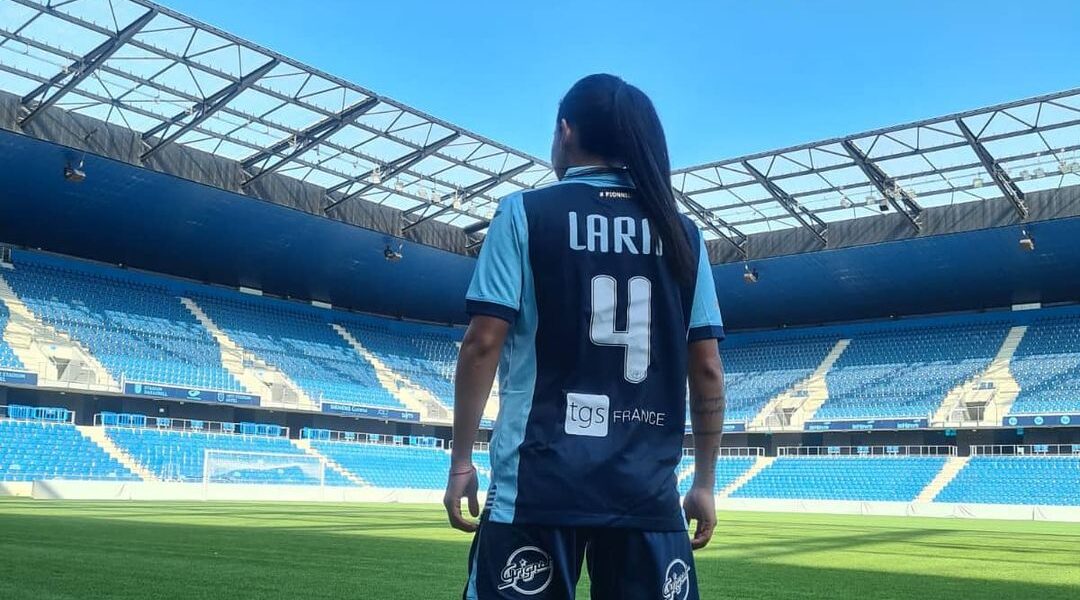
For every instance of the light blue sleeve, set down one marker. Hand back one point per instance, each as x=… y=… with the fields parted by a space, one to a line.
x=498 y=279
x=705 y=320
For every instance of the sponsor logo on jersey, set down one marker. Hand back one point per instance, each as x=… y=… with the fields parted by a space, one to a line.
x=587 y=414
x=528 y=571
x=677 y=581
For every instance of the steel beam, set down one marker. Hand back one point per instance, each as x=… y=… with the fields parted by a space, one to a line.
x=1001 y=179
x=307 y=139
x=395 y=167
x=81 y=69
x=203 y=110
x=805 y=217
x=886 y=186
x=467 y=194
x=736 y=238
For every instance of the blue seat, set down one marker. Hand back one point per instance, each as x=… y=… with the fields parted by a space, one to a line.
x=832 y=477
x=134 y=325
x=180 y=456
x=756 y=370
x=1045 y=480
x=395 y=466
x=8 y=360
x=39 y=450
x=301 y=342
x=906 y=371
x=1047 y=367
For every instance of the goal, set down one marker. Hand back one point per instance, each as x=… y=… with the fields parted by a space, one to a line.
x=229 y=467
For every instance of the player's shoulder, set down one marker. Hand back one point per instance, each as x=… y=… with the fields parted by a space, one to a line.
x=510 y=203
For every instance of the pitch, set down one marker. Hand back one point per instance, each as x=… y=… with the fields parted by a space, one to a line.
x=218 y=551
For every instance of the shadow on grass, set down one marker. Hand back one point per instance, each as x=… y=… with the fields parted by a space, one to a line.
x=58 y=557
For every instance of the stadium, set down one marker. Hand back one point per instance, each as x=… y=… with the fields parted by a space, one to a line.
x=231 y=301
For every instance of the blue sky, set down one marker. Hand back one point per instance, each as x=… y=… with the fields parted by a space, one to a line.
x=729 y=78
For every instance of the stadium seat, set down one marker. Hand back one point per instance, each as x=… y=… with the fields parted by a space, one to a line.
x=728 y=469
x=8 y=360
x=398 y=466
x=303 y=345
x=1045 y=480
x=757 y=371
x=179 y=455
x=883 y=478
x=1046 y=365
x=425 y=355
x=907 y=371
x=133 y=324
x=41 y=450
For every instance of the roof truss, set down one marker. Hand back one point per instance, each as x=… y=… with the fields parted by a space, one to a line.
x=175 y=80
x=1019 y=147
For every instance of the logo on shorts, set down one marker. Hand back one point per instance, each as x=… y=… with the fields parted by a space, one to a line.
x=528 y=571
x=677 y=581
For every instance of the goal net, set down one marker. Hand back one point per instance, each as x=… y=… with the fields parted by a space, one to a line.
x=262 y=468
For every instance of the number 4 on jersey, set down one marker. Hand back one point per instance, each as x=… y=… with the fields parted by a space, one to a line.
x=636 y=338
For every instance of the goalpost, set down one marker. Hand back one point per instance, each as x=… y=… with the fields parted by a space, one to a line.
x=230 y=467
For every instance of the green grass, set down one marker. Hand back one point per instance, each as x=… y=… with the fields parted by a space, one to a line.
x=83 y=551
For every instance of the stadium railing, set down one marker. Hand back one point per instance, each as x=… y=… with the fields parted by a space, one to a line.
x=732 y=451
x=1026 y=450
x=137 y=421
x=18 y=412
x=477 y=446
x=329 y=435
x=866 y=451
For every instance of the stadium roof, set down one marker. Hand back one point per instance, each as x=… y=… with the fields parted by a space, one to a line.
x=1007 y=150
x=175 y=80
x=150 y=69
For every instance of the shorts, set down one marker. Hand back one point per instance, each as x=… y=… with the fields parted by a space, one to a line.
x=544 y=563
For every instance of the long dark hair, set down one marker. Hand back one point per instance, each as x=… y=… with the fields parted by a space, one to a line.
x=617 y=122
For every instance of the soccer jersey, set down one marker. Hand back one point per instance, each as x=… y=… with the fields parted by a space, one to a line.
x=593 y=373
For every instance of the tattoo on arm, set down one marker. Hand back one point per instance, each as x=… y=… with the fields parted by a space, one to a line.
x=707 y=407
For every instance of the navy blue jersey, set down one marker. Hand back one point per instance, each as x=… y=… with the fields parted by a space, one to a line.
x=593 y=374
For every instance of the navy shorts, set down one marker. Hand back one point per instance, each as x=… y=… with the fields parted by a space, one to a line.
x=544 y=563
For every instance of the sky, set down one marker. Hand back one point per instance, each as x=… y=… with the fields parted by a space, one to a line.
x=729 y=78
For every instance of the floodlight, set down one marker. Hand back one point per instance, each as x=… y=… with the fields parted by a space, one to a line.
x=1027 y=243
x=74 y=174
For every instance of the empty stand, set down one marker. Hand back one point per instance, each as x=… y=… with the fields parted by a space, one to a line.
x=303 y=345
x=40 y=444
x=757 y=371
x=1035 y=475
x=390 y=465
x=908 y=371
x=8 y=360
x=134 y=326
x=729 y=467
x=848 y=473
x=1046 y=365
x=423 y=354
x=174 y=450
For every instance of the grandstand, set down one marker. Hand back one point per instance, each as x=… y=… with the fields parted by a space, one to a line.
x=293 y=290
x=166 y=332
x=303 y=345
x=1047 y=367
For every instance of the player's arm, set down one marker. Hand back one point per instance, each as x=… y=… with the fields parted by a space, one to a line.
x=478 y=360
x=706 y=378
x=493 y=301
x=707 y=404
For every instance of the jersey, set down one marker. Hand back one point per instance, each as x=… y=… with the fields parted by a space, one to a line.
x=593 y=373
